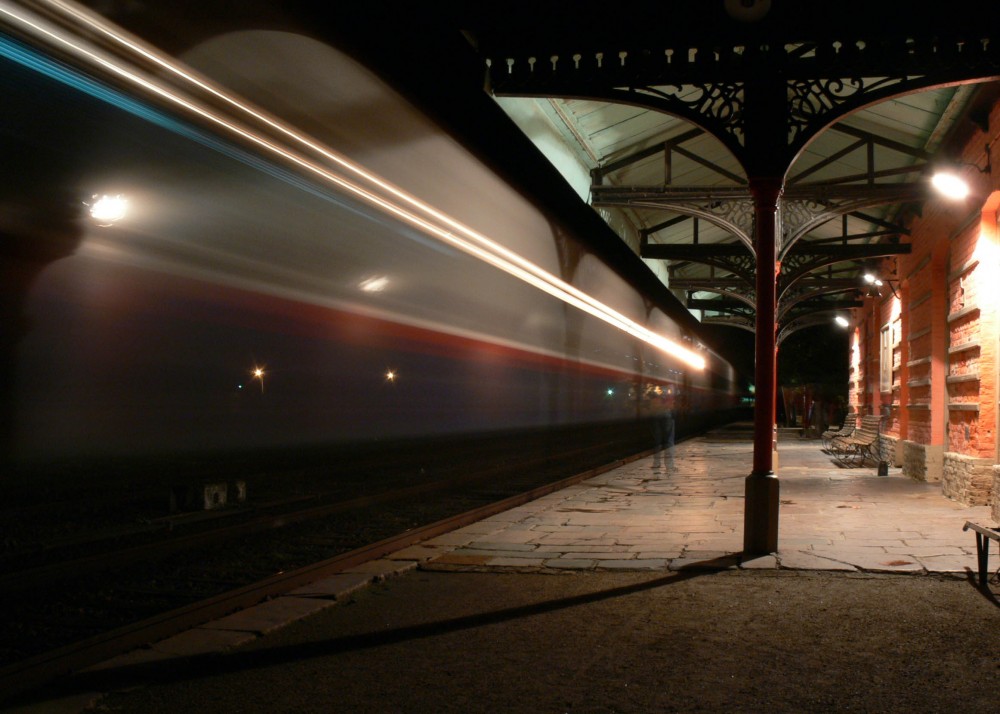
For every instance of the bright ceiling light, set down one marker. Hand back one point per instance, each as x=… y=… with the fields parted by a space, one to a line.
x=950 y=185
x=841 y=320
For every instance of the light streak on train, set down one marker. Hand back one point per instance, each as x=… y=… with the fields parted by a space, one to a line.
x=426 y=218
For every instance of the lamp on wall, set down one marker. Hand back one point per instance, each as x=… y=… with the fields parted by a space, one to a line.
x=949 y=182
x=875 y=284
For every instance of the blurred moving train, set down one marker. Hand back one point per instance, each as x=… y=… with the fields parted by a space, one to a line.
x=259 y=244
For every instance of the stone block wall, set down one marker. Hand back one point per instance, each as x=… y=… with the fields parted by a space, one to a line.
x=922 y=462
x=890 y=450
x=995 y=502
x=967 y=479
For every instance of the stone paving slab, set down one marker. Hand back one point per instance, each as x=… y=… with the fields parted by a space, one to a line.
x=336 y=586
x=418 y=553
x=383 y=568
x=202 y=640
x=804 y=560
x=269 y=616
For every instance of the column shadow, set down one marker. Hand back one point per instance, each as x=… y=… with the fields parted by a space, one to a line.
x=176 y=669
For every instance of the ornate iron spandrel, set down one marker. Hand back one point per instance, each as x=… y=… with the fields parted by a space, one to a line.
x=728 y=208
x=824 y=304
x=733 y=258
x=801 y=322
x=805 y=208
x=743 y=322
x=732 y=288
x=813 y=102
x=717 y=107
x=812 y=288
x=806 y=259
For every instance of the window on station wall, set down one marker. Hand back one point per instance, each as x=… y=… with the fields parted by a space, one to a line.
x=885 y=360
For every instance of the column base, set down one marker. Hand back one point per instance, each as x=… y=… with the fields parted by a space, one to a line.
x=760 y=516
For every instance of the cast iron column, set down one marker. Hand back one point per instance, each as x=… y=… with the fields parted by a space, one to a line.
x=760 y=519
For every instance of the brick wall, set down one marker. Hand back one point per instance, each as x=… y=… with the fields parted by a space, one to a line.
x=917 y=372
x=941 y=405
x=969 y=379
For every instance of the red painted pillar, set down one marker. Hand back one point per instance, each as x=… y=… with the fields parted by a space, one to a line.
x=760 y=520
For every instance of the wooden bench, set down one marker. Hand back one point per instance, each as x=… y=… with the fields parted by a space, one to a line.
x=847 y=429
x=983 y=535
x=861 y=445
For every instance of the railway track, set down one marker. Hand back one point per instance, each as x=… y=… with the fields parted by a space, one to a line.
x=171 y=542
x=82 y=611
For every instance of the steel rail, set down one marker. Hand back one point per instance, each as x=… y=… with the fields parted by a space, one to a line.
x=19 y=581
x=33 y=672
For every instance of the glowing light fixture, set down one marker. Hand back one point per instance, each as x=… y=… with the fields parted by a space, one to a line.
x=841 y=320
x=390 y=376
x=874 y=285
x=258 y=373
x=950 y=185
x=947 y=181
x=107 y=210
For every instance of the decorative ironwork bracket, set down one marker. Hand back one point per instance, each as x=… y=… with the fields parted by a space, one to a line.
x=743 y=322
x=734 y=288
x=805 y=208
x=812 y=288
x=731 y=209
x=731 y=257
x=800 y=263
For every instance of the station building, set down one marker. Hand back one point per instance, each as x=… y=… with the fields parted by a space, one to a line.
x=924 y=351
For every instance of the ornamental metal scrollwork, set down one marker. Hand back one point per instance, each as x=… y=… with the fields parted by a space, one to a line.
x=743 y=266
x=795 y=214
x=745 y=296
x=811 y=102
x=734 y=215
x=737 y=213
x=801 y=323
x=795 y=264
x=741 y=321
x=743 y=269
x=722 y=101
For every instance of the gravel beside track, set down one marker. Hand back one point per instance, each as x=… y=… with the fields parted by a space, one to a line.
x=43 y=618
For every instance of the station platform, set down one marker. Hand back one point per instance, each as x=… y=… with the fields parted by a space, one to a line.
x=559 y=604
x=688 y=510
